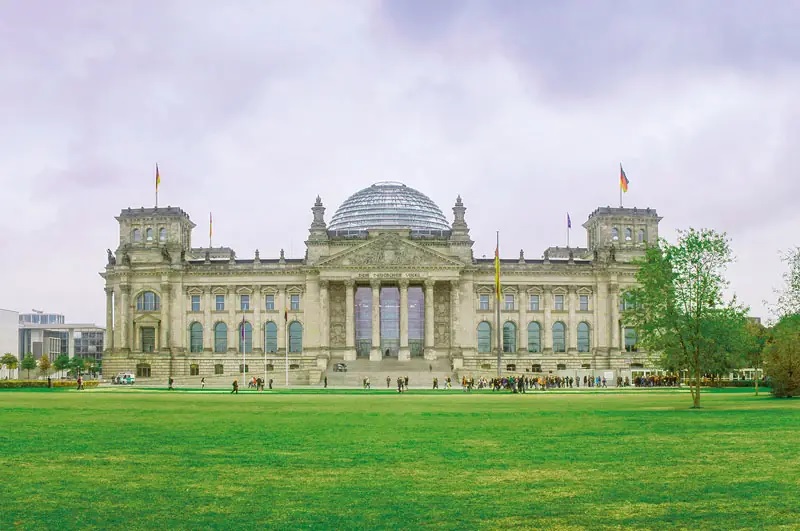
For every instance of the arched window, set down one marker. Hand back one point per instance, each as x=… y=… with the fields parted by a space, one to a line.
x=559 y=337
x=628 y=234
x=245 y=337
x=149 y=234
x=509 y=337
x=137 y=235
x=148 y=302
x=295 y=337
x=271 y=337
x=484 y=337
x=641 y=235
x=583 y=337
x=220 y=337
x=162 y=234
x=196 y=337
x=534 y=337
x=615 y=234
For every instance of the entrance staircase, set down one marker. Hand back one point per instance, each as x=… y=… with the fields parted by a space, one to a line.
x=420 y=372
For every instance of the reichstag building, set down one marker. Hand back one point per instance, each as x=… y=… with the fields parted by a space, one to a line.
x=389 y=280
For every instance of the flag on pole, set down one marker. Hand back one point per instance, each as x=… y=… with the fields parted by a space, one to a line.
x=497 y=268
x=158 y=177
x=623 y=179
x=244 y=345
x=286 y=315
x=569 y=221
x=210 y=226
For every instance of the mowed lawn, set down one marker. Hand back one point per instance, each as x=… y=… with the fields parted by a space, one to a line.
x=136 y=459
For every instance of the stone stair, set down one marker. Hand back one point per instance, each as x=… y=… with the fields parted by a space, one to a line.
x=420 y=373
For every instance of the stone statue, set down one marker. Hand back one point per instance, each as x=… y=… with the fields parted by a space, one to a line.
x=208 y=257
x=126 y=259
x=547 y=254
x=111 y=260
x=571 y=256
x=596 y=255
x=612 y=254
x=165 y=255
x=258 y=257
x=521 y=256
x=183 y=255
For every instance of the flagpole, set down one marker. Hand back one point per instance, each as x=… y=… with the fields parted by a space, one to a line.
x=158 y=181
x=497 y=309
x=620 y=185
x=210 y=229
x=286 y=338
x=244 y=350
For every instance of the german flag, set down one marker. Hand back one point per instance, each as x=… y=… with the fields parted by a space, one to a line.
x=623 y=179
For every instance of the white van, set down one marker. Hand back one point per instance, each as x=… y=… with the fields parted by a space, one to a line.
x=124 y=378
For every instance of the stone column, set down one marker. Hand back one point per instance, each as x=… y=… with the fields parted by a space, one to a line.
x=125 y=317
x=350 y=321
x=70 y=343
x=405 y=353
x=375 y=353
x=547 y=327
x=208 y=323
x=572 y=322
x=283 y=305
x=324 y=318
x=108 y=344
x=164 y=343
x=614 y=298
x=430 y=353
x=258 y=333
x=233 y=328
x=455 y=306
x=522 y=325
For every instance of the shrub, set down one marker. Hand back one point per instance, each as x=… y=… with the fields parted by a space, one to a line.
x=19 y=384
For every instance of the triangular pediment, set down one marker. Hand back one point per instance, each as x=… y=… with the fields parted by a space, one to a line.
x=390 y=251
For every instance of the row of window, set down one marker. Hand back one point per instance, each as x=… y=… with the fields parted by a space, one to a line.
x=149 y=234
x=149 y=301
x=558 y=338
x=245 y=332
x=628 y=234
x=533 y=302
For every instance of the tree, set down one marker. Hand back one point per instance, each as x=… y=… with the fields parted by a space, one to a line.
x=44 y=364
x=754 y=354
x=9 y=361
x=61 y=363
x=76 y=366
x=28 y=363
x=788 y=302
x=679 y=310
x=782 y=357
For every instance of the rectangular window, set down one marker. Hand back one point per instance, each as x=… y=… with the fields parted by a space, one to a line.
x=148 y=339
x=484 y=302
x=270 y=302
x=220 y=303
x=509 y=302
x=559 y=302
x=195 y=303
x=534 y=303
x=294 y=302
x=219 y=368
x=584 y=303
x=194 y=370
x=630 y=339
x=244 y=302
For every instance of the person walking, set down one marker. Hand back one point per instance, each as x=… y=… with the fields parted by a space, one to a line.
x=169 y=386
x=202 y=383
x=235 y=387
x=326 y=382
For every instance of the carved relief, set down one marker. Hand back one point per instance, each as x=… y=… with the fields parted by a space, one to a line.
x=389 y=251
x=338 y=310
x=441 y=315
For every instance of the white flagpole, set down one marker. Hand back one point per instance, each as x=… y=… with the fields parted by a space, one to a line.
x=244 y=350
x=286 y=334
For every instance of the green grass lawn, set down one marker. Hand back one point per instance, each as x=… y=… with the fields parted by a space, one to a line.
x=140 y=459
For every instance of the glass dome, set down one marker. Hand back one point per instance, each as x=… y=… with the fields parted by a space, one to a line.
x=388 y=205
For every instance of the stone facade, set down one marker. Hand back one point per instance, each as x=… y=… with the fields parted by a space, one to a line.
x=174 y=309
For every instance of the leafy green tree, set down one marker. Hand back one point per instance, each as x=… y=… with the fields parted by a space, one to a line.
x=788 y=302
x=679 y=310
x=754 y=354
x=782 y=357
x=76 y=366
x=61 y=363
x=9 y=361
x=28 y=363
x=44 y=365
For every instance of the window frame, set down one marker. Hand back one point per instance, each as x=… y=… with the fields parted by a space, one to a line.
x=484 y=303
x=558 y=302
x=533 y=302
x=294 y=302
x=581 y=299
x=195 y=307
x=219 y=303
x=244 y=302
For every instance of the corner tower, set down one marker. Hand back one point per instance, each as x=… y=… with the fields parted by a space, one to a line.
x=626 y=230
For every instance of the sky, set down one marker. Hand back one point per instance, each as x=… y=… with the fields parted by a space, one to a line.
x=525 y=108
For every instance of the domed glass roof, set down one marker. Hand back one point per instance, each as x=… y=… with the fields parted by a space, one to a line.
x=388 y=205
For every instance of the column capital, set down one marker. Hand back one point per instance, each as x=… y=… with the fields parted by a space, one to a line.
x=125 y=288
x=349 y=283
x=324 y=284
x=429 y=283
x=403 y=283
x=109 y=290
x=454 y=284
x=375 y=283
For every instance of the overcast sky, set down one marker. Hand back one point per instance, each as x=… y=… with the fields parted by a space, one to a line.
x=525 y=108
